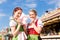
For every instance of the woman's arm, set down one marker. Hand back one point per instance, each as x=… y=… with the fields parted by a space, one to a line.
x=13 y=24
x=37 y=29
x=16 y=31
x=18 y=27
x=39 y=26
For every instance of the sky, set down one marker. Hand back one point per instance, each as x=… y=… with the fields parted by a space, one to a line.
x=7 y=6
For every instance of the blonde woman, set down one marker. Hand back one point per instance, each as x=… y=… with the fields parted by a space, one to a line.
x=35 y=26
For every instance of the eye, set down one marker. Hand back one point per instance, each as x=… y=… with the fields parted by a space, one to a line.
x=19 y=13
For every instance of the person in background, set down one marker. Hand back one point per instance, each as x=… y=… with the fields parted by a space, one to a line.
x=35 y=26
x=7 y=34
x=17 y=24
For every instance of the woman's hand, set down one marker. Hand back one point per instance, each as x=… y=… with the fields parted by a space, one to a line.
x=18 y=21
x=31 y=25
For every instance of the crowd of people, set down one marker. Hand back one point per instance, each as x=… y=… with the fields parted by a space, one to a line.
x=25 y=27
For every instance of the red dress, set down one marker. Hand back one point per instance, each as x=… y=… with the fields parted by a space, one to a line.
x=32 y=31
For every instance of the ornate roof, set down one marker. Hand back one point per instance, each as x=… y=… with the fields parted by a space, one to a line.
x=51 y=17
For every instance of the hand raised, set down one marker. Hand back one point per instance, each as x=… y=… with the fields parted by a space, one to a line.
x=18 y=21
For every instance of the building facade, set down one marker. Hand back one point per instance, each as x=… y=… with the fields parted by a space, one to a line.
x=51 y=29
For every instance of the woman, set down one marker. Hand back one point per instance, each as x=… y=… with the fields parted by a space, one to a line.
x=17 y=25
x=35 y=26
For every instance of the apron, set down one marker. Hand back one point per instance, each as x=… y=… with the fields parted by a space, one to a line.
x=21 y=35
x=32 y=34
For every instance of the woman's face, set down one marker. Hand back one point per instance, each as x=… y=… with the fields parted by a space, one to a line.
x=32 y=15
x=17 y=14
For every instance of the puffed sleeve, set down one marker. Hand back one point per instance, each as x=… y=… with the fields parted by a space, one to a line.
x=24 y=19
x=12 y=22
x=40 y=23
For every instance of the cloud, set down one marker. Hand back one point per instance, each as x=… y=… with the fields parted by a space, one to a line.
x=2 y=14
x=58 y=4
x=2 y=1
x=1 y=10
x=26 y=3
x=31 y=0
x=50 y=9
x=17 y=2
x=22 y=2
x=53 y=2
x=32 y=5
x=49 y=1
